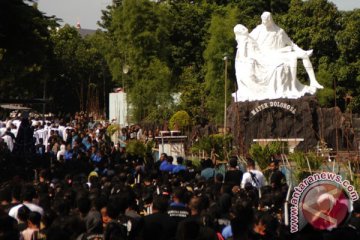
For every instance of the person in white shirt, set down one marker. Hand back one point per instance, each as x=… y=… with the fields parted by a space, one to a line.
x=61 y=130
x=254 y=177
x=139 y=134
x=27 y=193
x=2 y=129
x=61 y=152
x=41 y=133
x=9 y=142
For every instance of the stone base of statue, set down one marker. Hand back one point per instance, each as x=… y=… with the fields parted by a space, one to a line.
x=300 y=121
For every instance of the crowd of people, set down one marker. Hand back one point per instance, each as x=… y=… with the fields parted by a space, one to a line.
x=78 y=184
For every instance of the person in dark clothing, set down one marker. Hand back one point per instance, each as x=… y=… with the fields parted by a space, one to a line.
x=277 y=178
x=218 y=184
x=40 y=147
x=190 y=171
x=8 y=227
x=242 y=222
x=158 y=225
x=5 y=199
x=345 y=232
x=24 y=141
x=23 y=215
x=233 y=176
x=190 y=229
x=118 y=220
x=266 y=227
x=178 y=209
x=90 y=217
x=354 y=221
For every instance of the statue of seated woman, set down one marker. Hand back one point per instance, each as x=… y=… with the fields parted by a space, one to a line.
x=266 y=63
x=262 y=74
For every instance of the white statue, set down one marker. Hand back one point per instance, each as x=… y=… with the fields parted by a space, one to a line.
x=266 y=62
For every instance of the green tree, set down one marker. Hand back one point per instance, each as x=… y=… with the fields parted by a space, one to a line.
x=188 y=36
x=220 y=44
x=150 y=94
x=139 y=36
x=80 y=74
x=25 y=49
x=215 y=143
x=193 y=95
x=135 y=149
x=348 y=71
x=180 y=120
x=262 y=155
x=313 y=25
x=305 y=164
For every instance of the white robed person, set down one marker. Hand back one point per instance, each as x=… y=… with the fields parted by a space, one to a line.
x=266 y=62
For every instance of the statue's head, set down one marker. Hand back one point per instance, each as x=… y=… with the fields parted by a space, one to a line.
x=240 y=29
x=266 y=19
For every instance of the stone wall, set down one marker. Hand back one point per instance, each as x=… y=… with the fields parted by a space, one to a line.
x=290 y=118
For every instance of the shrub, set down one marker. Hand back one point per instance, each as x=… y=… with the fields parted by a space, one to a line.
x=220 y=143
x=179 y=120
x=263 y=154
x=111 y=129
x=136 y=149
x=301 y=169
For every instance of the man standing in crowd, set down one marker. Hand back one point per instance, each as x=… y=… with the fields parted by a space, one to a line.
x=166 y=165
x=28 y=193
x=178 y=209
x=233 y=176
x=253 y=176
x=158 y=225
x=277 y=178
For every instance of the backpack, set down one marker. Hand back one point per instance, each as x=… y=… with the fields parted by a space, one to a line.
x=254 y=179
x=116 y=229
x=92 y=236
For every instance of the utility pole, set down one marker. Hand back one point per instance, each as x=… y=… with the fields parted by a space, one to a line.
x=336 y=122
x=225 y=93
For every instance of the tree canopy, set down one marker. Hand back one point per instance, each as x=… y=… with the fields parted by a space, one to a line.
x=157 y=50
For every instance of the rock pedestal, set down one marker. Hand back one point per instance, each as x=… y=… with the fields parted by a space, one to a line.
x=289 y=119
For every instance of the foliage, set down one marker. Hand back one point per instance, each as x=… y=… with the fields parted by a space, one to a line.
x=80 y=67
x=220 y=45
x=139 y=32
x=171 y=47
x=302 y=170
x=263 y=154
x=147 y=95
x=196 y=163
x=179 y=120
x=317 y=28
x=355 y=182
x=348 y=64
x=193 y=95
x=25 y=49
x=313 y=25
x=220 y=144
x=149 y=147
x=355 y=104
x=327 y=76
x=136 y=149
x=111 y=129
x=188 y=35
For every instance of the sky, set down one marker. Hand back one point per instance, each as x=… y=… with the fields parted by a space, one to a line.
x=88 y=12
